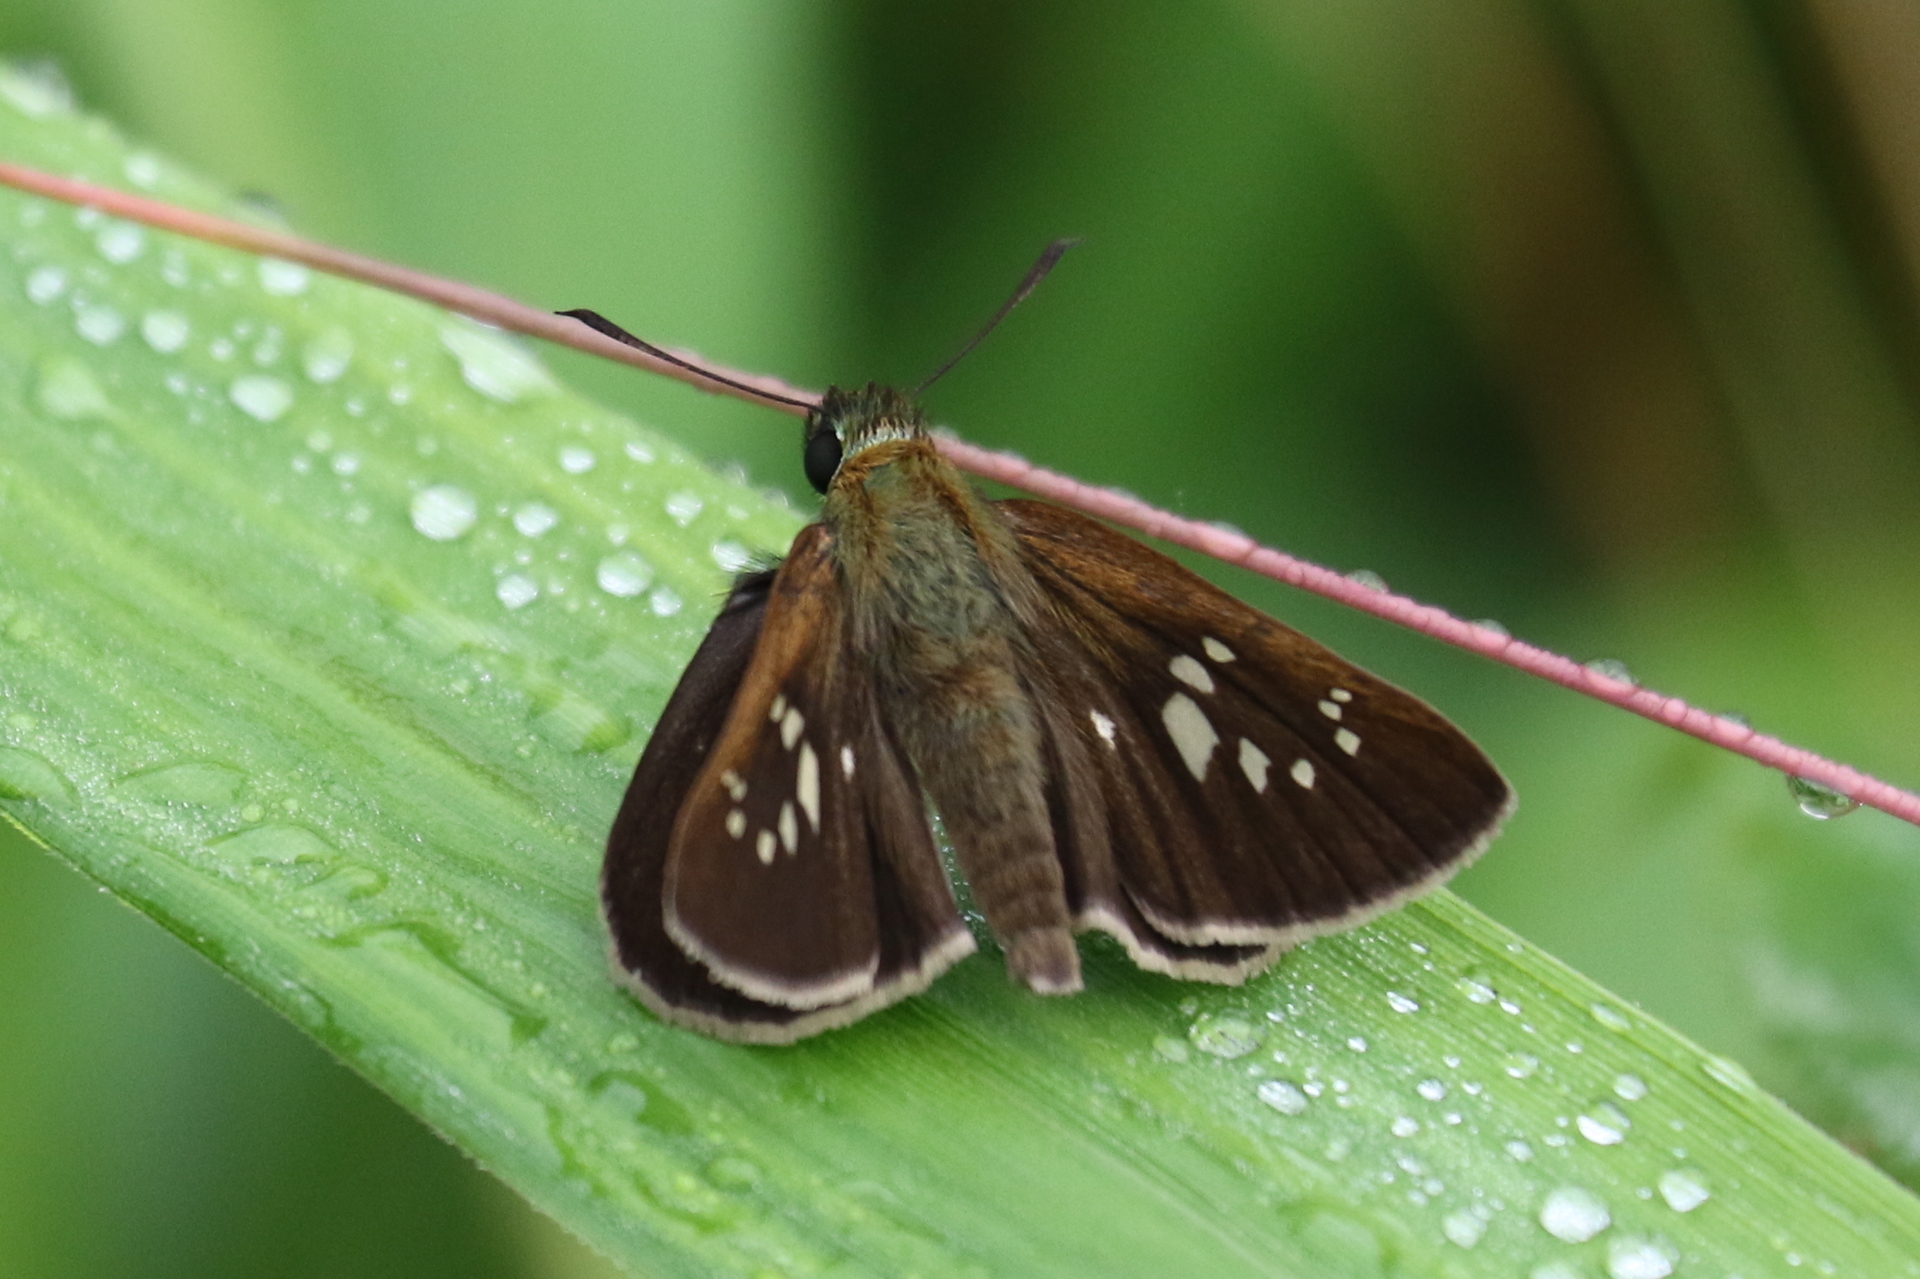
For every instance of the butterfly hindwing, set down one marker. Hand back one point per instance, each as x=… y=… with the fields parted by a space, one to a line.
x=772 y=872
x=1254 y=788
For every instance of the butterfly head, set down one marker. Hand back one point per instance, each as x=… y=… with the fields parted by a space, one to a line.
x=849 y=421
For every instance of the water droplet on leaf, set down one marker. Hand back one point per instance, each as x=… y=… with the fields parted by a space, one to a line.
x=1282 y=1096
x=534 y=518
x=1226 y=1036
x=516 y=590
x=261 y=396
x=623 y=574
x=1684 y=1189
x=1572 y=1214
x=1629 y=1257
x=495 y=366
x=444 y=511
x=281 y=278
x=165 y=331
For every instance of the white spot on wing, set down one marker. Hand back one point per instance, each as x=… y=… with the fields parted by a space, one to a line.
x=1347 y=740
x=1253 y=762
x=1191 y=673
x=1103 y=726
x=1302 y=772
x=764 y=846
x=1216 y=650
x=736 y=823
x=779 y=707
x=1192 y=733
x=846 y=760
x=790 y=725
x=807 y=784
x=1330 y=709
x=736 y=786
x=1339 y=694
x=789 y=828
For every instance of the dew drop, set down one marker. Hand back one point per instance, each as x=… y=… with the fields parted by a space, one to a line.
x=325 y=357
x=1519 y=1151
x=1475 y=988
x=534 y=518
x=1225 y=1036
x=574 y=723
x=1498 y=628
x=283 y=279
x=1463 y=1228
x=277 y=844
x=1520 y=1065
x=1574 y=1215
x=1817 y=801
x=1554 y=1270
x=121 y=242
x=516 y=590
x=261 y=396
x=1611 y=668
x=27 y=775
x=66 y=389
x=1610 y=1017
x=100 y=324
x=732 y=1173
x=1400 y=1003
x=1604 y=1125
x=36 y=89
x=1404 y=1126
x=1282 y=1096
x=444 y=511
x=345 y=463
x=1167 y=1048
x=143 y=170
x=730 y=556
x=1629 y=1087
x=1431 y=1089
x=45 y=283
x=165 y=331
x=664 y=602
x=1730 y=1073
x=1631 y=1257
x=1684 y=1189
x=623 y=574
x=495 y=366
x=205 y=785
x=1368 y=578
x=682 y=508
x=638 y=452
x=575 y=460
x=1357 y=1044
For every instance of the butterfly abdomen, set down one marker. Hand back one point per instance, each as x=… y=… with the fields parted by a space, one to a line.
x=939 y=643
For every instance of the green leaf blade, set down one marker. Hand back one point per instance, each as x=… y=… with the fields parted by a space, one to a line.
x=272 y=672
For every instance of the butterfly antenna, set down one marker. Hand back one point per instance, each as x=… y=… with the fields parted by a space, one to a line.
x=601 y=324
x=1035 y=274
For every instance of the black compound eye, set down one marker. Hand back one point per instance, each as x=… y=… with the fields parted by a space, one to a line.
x=822 y=459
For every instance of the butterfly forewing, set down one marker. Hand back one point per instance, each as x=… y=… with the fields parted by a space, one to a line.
x=633 y=877
x=798 y=887
x=1257 y=788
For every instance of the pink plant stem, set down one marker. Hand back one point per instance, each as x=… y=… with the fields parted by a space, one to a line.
x=1221 y=544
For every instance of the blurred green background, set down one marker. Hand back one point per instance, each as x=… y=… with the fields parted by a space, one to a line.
x=1593 y=316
